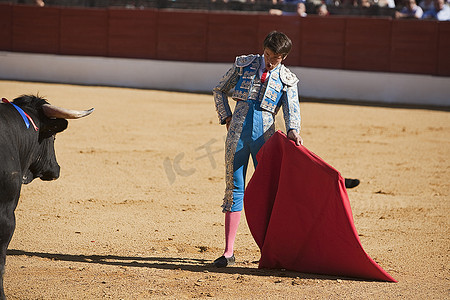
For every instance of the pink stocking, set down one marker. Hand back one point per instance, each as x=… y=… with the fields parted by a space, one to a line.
x=231 y=226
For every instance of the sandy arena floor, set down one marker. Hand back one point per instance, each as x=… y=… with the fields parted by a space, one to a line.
x=136 y=212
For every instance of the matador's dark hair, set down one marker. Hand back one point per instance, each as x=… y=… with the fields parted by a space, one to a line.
x=278 y=42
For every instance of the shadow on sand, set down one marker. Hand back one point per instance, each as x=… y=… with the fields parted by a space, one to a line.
x=170 y=263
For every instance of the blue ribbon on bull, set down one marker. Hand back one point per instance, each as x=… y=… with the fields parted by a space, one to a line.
x=26 y=118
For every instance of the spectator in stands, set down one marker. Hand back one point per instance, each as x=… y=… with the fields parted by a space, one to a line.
x=301 y=9
x=386 y=3
x=275 y=2
x=410 y=10
x=322 y=10
x=350 y=3
x=440 y=11
x=426 y=4
x=365 y=3
x=368 y=3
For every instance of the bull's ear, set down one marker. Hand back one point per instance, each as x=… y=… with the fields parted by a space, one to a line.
x=53 y=126
x=58 y=125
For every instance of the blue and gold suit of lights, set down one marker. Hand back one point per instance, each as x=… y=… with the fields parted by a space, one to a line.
x=253 y=119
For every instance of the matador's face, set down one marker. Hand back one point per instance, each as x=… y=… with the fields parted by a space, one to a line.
x=272 y=59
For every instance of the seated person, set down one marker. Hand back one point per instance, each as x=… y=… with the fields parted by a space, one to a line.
x=322 y=10
x=440 y=11
x=410 y=10
x=301 y=9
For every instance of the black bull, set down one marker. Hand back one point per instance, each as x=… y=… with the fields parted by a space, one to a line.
x=26 y=154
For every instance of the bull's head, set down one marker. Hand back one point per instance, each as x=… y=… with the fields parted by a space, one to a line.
x=52 y=119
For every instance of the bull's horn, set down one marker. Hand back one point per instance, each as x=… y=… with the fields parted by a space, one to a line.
x=62 y=113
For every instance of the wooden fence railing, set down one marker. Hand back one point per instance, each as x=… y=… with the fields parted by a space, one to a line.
x=348 y=43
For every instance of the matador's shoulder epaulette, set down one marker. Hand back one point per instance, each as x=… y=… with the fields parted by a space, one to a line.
x=244 y=60
x=287 y=77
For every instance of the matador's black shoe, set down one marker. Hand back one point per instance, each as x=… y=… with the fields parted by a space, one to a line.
x=224 y=261
x=351 y=183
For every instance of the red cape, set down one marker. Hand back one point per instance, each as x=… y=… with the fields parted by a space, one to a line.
x=298 y=212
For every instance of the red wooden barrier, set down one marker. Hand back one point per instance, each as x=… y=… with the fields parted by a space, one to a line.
x=132 y=33
x=230 y=35
x=5 y=27
x=84 y=31
x=323 y=42
x=182 y=36
x=35 y=30
x=367 y=44
x=444 y=49
x=414 y=46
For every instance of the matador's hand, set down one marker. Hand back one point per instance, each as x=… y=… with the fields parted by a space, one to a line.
x=228 y=120
x=293 y=135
